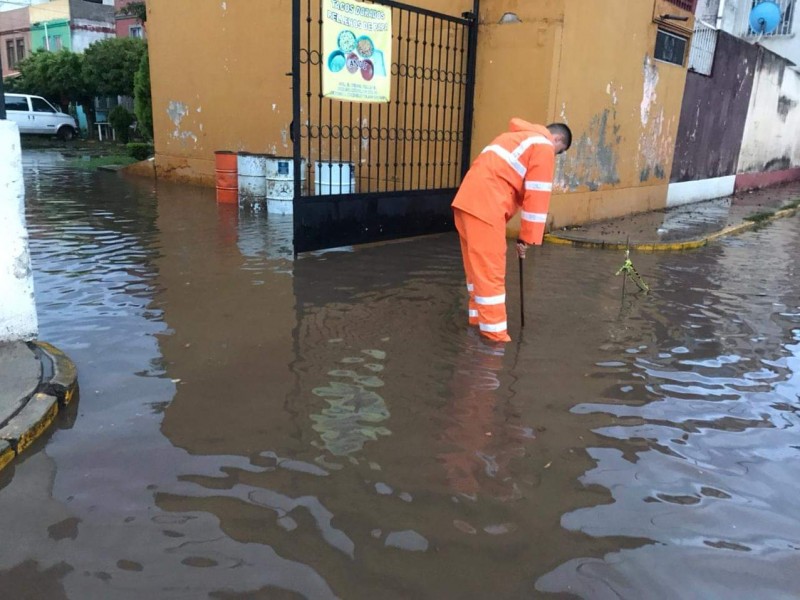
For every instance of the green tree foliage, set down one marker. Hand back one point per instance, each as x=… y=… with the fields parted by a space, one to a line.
x=107 y=68
x=112 y=63
x=121 y=120
x=142 y=104
x=58 y=76
x=135 y=9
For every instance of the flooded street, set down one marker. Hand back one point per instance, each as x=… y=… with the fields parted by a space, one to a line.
x=255 y=427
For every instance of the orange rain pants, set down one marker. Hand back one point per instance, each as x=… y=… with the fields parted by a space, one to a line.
x=483 y=248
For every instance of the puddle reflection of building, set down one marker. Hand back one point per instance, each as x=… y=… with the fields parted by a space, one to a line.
x=361 y=316
x=96 y=509
x=230 y=314
x=356 y=412
x=265 y=236
x=295 y=372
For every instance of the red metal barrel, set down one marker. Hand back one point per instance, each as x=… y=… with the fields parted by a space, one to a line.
x=227 y=177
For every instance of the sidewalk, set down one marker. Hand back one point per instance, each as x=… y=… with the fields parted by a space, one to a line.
x=684 y=227
x=36 y=381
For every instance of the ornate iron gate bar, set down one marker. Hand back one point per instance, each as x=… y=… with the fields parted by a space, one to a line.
x=382 y=171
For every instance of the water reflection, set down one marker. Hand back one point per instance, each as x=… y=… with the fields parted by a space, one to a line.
x=263 y=238
x=482 y=444
x=701 y=455
x=355 y=410
x=255 y=426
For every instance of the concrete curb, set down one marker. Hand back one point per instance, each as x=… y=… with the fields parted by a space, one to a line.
x=56 y=390
x=565 y=240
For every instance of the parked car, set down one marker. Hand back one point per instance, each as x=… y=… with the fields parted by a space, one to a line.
x=34 y=114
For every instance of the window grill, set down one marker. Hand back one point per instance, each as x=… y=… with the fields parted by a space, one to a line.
x=704 y=45
x=684 y=4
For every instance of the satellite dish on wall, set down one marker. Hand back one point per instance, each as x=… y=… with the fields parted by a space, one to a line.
x=765 y=17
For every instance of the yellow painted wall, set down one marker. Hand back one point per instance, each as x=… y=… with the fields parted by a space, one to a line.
x=219 y=83
x=517 y=45
x=623 y=107
x=57 y=9
x=599 y=76
x=219 y=80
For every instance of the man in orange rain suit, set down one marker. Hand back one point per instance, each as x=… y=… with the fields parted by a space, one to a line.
x=514 y=171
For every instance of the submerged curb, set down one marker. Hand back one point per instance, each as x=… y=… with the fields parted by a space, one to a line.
x=57 y=388
x=566 y=240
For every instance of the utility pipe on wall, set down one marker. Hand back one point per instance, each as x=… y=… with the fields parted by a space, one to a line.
x=720 y=13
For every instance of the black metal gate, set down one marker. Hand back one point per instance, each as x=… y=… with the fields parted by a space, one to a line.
x=367 y=172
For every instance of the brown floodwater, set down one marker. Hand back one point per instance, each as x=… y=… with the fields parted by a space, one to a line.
x=250 y=426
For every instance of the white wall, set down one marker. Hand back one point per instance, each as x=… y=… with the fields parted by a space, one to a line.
x=686 y=192
x=735 y=22
x=731 y=9
x=85 y=33
x=787 y=46
x=772 y=129
x=707 y=11
x=17 y=305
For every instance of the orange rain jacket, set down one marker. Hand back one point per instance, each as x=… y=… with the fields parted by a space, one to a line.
x=515 y=170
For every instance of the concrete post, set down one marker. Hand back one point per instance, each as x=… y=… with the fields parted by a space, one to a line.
x=17 y=305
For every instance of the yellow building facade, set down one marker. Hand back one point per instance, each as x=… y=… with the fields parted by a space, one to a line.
x=56 y=9
x=220 y=81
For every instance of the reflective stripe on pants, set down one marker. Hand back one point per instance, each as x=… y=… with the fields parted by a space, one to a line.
x=483 y=248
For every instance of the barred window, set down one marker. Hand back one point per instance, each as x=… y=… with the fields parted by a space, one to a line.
x=703 y=48
x=11 y=54
x=684 y=4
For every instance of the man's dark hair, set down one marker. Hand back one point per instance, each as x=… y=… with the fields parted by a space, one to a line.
x=564 y=130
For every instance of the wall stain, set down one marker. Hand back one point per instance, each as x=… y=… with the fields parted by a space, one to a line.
x=785 y=106
x=592 y=160
x=778 y=164
x=655 y=146
x=649 y=90
x=509 y=17
x=22 y=265
x=177 y=111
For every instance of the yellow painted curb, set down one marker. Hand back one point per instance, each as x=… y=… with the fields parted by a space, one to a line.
x=41 y=410
x=69 y=394
x=64 y=382
x=551 y=238
x=32 y=433
x=6 y=456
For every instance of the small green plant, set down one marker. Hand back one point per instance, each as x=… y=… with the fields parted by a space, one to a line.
x=628 y=271
x=140 y=151
x=121 y=120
